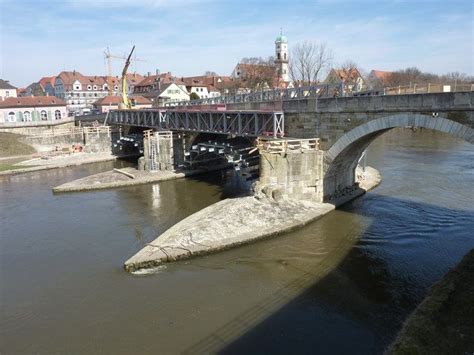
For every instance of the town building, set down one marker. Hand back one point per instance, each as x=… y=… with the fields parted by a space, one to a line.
x=170 y=93
x=81 y=91
x=151 y=85
x=201 y=86
x=7 y=90
x=107 y=103
x=162 y=88
x=206 y=86
x=350 y=79
x=40 y=109
x=44 y=87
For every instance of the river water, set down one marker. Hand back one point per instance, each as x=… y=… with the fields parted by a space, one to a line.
x=343 y=284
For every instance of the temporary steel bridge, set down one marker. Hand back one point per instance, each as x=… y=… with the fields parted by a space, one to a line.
x=238 y=123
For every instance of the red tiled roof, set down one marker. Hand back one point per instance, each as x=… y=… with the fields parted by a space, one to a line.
x=69 y=77
x=134 y=78
x=32 y=101
x=347 y=74
x=115 y=100
x=165 y=78
x=47 y=79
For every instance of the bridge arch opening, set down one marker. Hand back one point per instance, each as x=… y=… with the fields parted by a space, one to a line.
x=341 y=160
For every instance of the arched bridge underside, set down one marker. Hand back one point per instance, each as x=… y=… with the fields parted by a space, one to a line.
x=341 y=159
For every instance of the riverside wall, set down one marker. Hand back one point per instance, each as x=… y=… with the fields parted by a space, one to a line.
x=92 y=142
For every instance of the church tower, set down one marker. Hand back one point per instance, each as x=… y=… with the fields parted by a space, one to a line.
x=281 y=57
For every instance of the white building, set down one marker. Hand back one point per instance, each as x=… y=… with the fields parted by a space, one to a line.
x=281 y=58
x=6 y=90
x=80 y=91
x=203 y=91
x=28 y=110
x=171 y=93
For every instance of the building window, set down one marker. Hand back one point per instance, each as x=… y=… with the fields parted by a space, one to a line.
x=278 y=55
x=284 y=55
x=26 y=116
x=89 y=87
x=7 y=93
x=95 y=87
x=44 y=115
x=57 y=115
x=76 y=88
x=11 y=116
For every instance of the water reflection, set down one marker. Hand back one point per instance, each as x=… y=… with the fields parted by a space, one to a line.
x=342 y=284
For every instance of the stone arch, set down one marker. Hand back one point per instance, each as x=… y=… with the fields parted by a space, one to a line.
x=340 y=161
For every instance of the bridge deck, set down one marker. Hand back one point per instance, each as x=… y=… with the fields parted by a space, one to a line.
x=240 y=123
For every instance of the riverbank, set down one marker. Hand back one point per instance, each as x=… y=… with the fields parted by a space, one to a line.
x=444 y=322
x=234 y=222
x=55 y=162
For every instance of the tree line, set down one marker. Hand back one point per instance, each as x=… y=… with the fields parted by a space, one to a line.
x=311 y=62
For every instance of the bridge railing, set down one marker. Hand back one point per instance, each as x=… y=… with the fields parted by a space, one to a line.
x=427 y=88
x=315 y=91
x=278 y=146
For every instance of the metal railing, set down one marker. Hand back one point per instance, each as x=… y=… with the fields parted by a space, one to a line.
x=316 y=91
x=240 y=123
x=427 y=88
x=8 y=124
x=74 y=130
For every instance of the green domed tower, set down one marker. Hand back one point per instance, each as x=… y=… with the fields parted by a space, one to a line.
x=281 y=57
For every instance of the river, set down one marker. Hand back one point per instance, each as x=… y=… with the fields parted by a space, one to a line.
x=343 y=284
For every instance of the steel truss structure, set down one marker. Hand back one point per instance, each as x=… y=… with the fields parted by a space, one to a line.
x=316 y=91
x=238 y=123
x=238 y=155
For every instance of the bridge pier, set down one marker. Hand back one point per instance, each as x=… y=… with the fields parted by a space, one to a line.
x=162 y=150
x=291 y=169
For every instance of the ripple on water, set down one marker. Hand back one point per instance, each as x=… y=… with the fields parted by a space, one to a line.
x=150 y=271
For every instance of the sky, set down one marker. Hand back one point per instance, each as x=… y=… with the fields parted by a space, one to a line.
x=188 y=37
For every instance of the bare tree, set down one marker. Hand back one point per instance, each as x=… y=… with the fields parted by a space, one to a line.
x=307 y=61
x=210 y=73
x=258 y=73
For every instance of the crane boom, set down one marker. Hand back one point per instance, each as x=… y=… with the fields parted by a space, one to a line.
x=125 y=101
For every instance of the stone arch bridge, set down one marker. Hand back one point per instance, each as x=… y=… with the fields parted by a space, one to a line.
x=344 y=126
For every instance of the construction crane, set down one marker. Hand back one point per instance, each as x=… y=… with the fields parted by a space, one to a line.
x=108 y=57
x=126 y=103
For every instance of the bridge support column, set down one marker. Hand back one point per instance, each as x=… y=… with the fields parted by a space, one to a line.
x=162 y=150
x=292 y=169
